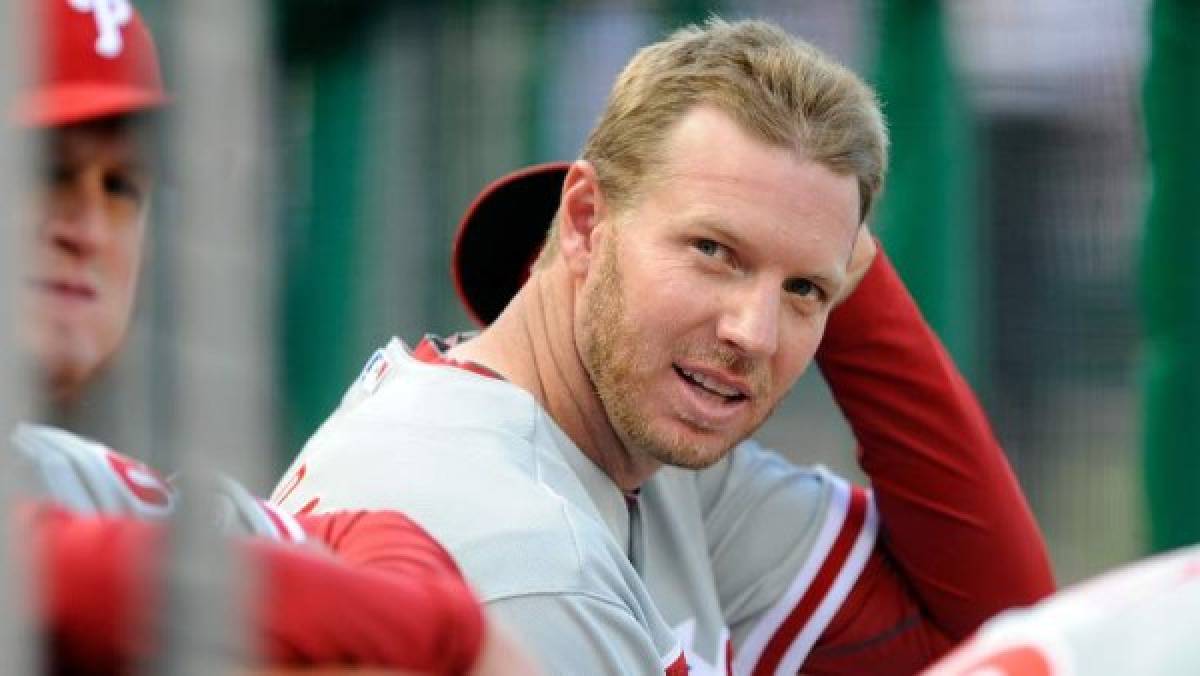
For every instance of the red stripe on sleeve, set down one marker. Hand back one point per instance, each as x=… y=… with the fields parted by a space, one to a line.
x=801 y=614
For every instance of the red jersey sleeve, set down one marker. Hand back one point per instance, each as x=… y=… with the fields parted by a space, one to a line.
x=957 y=541
x=400 y=600
x=97 y=586
x=390 y=596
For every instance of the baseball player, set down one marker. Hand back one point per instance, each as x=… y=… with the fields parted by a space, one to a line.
x=97 y=78
x=586 y=457
x=389 y=595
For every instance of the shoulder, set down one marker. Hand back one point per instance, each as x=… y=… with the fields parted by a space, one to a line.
x=508 y=532
x=85 y=475
x=404 y=421
x=502 y=503
x=395 y=389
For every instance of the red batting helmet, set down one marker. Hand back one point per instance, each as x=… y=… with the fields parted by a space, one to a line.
x=97 y=59
x=501 y=235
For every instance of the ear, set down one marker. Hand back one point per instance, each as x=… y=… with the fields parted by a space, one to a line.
x=582 y=210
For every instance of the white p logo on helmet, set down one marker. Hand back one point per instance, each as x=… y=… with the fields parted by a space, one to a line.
x=110 y=15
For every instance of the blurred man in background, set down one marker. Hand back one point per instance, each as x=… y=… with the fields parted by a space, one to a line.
x=585 y=458
x=390 y=597
x=98 y=81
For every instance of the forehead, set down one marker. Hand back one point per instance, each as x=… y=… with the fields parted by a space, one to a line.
x=122 y=139
x=713 y=170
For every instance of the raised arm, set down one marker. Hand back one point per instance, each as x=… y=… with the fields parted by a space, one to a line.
x=957 y=541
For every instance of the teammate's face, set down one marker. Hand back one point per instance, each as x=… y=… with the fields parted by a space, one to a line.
x=707 y=298
x=88 y=245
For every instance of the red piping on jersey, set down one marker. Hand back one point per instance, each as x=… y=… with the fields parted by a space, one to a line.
x=309 y=506
x=292 y=483
x=428 y=352
x=856 y=515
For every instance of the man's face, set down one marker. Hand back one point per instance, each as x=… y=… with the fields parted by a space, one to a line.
x=706 y=299
x=87 y=249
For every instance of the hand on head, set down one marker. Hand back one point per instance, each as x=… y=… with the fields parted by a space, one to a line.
x=865 y=250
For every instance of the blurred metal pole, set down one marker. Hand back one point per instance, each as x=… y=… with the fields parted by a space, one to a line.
x=1170 y=283
x=675 y=14
x=17 y=654
x=539 y=72
x=926 y=216
x=321 y=319
x=220 y=273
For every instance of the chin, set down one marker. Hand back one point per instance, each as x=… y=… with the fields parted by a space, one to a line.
x=66 y=379
x=688 y=448
x=692 y=460
x=67 y=367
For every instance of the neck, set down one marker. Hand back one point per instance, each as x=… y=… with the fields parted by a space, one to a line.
x=533 y=345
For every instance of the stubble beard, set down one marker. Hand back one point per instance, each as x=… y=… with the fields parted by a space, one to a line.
x=610 y=349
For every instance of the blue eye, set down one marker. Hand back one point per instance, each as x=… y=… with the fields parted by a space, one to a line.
x=800 y=287
x=707 y=247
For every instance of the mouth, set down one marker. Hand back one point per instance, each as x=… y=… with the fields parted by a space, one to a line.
x=712 y=385
x=66 y=290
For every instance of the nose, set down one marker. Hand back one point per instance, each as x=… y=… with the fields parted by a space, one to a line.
x=750 y=322
x=75 y=216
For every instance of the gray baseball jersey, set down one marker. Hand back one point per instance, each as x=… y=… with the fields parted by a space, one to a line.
x=736 y=569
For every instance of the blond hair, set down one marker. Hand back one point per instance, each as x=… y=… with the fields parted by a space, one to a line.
x=777 y=87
